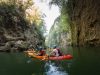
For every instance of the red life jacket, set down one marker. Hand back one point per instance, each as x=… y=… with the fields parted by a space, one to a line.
x=60 y=54
x=41 y=53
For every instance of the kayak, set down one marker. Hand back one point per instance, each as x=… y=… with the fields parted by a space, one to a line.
x=63 y=57
x=45 y=57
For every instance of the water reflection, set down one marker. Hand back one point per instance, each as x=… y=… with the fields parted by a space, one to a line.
x=86 y=61
x=52 y=69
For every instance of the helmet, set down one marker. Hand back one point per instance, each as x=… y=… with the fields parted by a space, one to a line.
x=40 y=48
x=54 y=46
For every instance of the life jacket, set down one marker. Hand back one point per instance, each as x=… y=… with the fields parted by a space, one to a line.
x=59 y=52
x=42 y=52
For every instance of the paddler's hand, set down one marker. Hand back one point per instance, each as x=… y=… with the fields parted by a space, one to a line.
x=45 y=57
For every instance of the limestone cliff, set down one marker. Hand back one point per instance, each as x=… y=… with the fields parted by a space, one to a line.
x=59 y=34
x=16 y=32
x=85 y=22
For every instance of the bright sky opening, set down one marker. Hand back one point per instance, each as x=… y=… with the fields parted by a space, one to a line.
x=51 y=13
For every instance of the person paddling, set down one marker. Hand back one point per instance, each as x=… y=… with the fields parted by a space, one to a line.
x=41 y=52
x=56 y=52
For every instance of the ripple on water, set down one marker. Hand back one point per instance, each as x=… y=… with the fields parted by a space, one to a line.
x=51 y=69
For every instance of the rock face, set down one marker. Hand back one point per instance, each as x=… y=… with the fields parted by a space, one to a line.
x=58 y=35
x=16 y=33
x=85 y=22
x=11 y=39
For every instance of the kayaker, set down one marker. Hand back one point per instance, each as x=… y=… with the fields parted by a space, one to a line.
x=56 y=51
x=41 y=52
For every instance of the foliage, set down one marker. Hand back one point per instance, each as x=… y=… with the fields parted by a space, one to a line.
x=64 y=23
x=33 y=15
x=60 y=30
x=60 y=3
x=11 y=16
x=54 y=33
x=15 y=15
x=42 y=28
x=14 y=10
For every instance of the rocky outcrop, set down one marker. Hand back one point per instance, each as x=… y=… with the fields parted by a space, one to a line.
x=85 y=22
x=19 y=40
x=16 y=33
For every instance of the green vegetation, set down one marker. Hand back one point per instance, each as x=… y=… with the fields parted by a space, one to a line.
x=21 y=19
x=60 y=31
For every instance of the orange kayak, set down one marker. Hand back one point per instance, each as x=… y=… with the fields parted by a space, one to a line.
x=64 y=57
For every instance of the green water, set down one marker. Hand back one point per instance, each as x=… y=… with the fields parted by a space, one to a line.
x=86 y=61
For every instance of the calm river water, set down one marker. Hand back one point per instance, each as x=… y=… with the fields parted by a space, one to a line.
x=86 y=61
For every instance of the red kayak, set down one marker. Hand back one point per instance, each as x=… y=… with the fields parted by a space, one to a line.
x=64 y=57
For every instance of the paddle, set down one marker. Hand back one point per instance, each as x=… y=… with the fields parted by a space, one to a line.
x=48 y=53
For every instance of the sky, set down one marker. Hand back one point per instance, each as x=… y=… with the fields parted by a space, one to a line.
x=51 y=13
